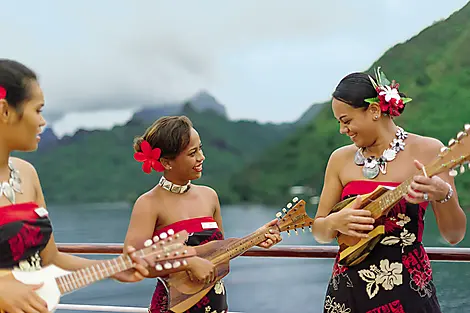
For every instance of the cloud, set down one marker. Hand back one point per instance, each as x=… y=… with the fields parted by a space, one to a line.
x=119 y=54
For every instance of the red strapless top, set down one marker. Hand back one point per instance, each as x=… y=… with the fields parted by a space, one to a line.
x=25 y=230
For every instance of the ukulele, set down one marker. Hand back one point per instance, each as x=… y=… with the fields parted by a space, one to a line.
x=185 y=293
x=354 y=250
x=169 y=251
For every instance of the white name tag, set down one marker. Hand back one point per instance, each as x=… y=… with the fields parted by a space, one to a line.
x=209 y=225
x=41 y=212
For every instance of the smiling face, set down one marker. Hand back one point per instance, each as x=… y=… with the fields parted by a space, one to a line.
x=20 y=128
x=188 y=163
x=359 y=124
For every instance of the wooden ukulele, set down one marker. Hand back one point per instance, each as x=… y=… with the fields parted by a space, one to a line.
x=354 y=250
x=168 y=250
x=184 y=293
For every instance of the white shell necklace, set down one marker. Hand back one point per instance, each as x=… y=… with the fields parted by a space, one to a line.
x=172 y=187
x=13 y=185
x=372 y=166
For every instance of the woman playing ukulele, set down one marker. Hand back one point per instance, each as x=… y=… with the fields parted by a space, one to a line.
x=26 y=239
x=172 y=146
x=396 y=276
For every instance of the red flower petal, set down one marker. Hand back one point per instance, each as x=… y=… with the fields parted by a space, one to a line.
x=3 y=93
x=155 y=154
x=146 y=148
x=140 y=157
x=158 y=167
x=147 y=167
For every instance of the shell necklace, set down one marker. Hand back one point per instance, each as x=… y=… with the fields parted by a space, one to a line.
x=13 y=185
x=172 y=187
x=372 y=166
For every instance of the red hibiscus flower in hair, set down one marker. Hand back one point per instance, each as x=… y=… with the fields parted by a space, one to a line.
x=3 y=93
x=388 y=96
x=149 y=157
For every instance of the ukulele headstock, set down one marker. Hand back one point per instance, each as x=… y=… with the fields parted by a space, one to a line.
x=168 y=250
x=454 y=156
x=294 y=217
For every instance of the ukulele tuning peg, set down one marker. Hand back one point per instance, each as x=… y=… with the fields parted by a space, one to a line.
x=163 y=235
x=171 y=232
x=167 y=266
x=467 y=127
x=462 y=169
x=159 y=267
x=176 y=264
x=148 y=243
x=453 y=172
x=176 y=253
x=303 y=229
x=452 y=142
x=460 y=135
x=156 y=239
x=310 y=228
x=167 y=254
x=444 y=149
x=284 y=210
x=185 y=263
x=279 y=215
x=288 y=233
x=295 y=199
x=185 y=252
x=289 y=205
x=296 y=232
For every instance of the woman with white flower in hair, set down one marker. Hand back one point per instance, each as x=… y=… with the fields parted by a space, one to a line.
x=396 y=276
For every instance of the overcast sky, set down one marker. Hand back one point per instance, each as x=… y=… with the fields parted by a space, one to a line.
x=99 y=61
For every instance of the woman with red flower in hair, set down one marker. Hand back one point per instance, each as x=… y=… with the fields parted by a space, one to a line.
x=26 y=238
x=172 y=146
x=396 y=276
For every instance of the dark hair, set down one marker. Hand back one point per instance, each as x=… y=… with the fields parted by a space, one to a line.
x=169 y=133
x=16 y=79
x=356 y=87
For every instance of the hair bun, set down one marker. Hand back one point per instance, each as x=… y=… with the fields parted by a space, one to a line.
x=137 y=142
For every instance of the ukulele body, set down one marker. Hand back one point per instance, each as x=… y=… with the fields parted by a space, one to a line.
x=353 y=250
x=185 y=293
x=49 y=291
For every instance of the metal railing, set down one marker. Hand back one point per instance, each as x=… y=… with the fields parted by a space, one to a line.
x=281 y=251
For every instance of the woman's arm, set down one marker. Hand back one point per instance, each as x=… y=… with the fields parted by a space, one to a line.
x=450 y=217
x=51 y=255
x=322 y=230
x=217 y=212
x=350 y=221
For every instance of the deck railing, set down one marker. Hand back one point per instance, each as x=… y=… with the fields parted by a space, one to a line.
x=280 y=251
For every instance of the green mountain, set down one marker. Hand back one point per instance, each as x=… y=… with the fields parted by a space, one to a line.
x=433 y=68
x=98 y=166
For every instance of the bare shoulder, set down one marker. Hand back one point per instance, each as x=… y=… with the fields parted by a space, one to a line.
x=427 y=148
x=147 y=203
x=206 y=191
x=23 y=166
x=341 y=154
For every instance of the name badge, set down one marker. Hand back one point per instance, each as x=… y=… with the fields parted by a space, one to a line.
x=41 y=212
x=209 y=225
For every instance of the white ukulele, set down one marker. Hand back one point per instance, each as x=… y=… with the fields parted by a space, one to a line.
x=167 y=249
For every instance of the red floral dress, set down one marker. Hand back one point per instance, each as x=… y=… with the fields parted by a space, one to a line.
x=396 y=277
x=25 y=230
x=201 y=230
